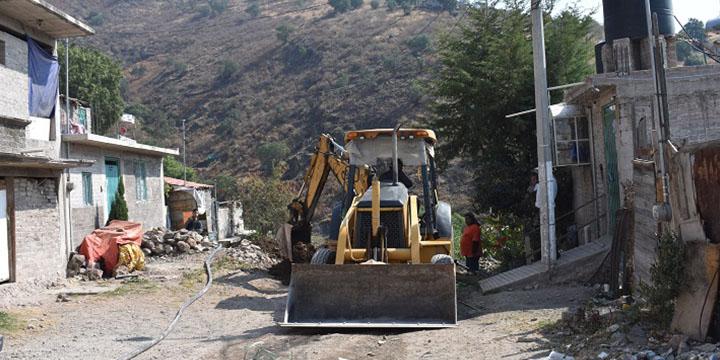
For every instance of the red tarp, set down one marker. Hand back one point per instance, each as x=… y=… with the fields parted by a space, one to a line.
x=103 y=243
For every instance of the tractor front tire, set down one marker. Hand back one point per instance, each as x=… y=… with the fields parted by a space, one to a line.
x=323 y=256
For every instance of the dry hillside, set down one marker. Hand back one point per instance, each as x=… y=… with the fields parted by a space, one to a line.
x=239 y=85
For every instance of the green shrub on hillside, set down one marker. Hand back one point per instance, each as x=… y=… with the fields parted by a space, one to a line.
x=340 y=6
x=419 y=44
x=228 y=70
x=270 y=154
x=253 y=10
x=218 y=7
x=283 y=32
x=374 y=4
x=95 y=18
x=391 y=4
x=356 y=4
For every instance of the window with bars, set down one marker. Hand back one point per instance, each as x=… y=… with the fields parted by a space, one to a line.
x=572 y=141
x=87 y=188
x=140 y=181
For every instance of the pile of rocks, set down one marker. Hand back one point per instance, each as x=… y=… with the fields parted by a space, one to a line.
x=248 y=253
x=160 y=242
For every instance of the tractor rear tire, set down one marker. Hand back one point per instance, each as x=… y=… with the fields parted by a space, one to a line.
x=323 y=256
x=441 y=259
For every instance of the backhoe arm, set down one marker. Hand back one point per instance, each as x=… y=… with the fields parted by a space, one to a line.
x=329 y=157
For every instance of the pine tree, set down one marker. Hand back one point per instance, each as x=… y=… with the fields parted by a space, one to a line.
x=119 y=210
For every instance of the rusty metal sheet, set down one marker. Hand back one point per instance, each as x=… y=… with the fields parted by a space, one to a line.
x=706 y=170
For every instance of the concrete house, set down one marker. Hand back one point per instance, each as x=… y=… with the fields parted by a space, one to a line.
x=619 y=110
x=139 y=166
x=34 y=241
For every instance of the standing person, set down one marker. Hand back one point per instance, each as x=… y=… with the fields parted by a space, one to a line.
x=193 y=223
x=470 y=245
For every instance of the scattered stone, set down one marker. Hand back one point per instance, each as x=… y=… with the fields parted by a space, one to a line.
x=182 y=247
x=147 y=252
x=706 y=347
x=76 y=262
x=169 y=249
x=613 y=328
x=603 y=355
x=554 y=355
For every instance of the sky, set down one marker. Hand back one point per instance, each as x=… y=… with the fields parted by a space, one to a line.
x=703 y=10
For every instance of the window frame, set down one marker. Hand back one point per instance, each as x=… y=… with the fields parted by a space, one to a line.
x=88 y=196
x=576 y=140
x=141 y=189
x=3 y=53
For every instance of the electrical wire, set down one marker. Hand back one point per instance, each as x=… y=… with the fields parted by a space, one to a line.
x=695 y=43
x=171 y=326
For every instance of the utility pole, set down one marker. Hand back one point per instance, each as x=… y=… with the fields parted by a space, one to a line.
x=184 y=156
x=67 y=86
x=544 y=150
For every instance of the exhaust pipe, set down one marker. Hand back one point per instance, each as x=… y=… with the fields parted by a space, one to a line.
x=395 y=153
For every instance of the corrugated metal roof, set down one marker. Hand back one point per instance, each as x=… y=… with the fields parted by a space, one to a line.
x=189 y=184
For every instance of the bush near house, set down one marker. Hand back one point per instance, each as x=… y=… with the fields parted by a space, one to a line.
x=265 y=202
x=119 y=210
x=668 y=276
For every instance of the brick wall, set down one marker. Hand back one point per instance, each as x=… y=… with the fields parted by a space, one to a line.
x=40 y=251
x=86 y=217
x=13 y=76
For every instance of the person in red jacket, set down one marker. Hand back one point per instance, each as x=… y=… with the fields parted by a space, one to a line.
x=470 y=245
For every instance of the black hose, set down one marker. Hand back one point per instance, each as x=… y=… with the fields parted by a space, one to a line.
x=208 y=283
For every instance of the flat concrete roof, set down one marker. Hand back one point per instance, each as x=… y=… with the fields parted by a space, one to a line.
x=45 y=18
x=40 y=162
x=105 y=142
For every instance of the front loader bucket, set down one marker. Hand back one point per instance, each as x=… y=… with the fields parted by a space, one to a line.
x=372 y=296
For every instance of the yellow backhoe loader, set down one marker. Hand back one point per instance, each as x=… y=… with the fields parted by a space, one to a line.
x=387 y=262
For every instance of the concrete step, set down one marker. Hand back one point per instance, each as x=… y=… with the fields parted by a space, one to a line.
x=572 y=263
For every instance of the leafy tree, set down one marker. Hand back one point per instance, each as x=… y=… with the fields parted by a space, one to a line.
x=174 y=169
x=685 y=52
x=391 y=4
x=253 y=10
x=118 y=209
x=374 y=4
x=283 y=31
x=227 y=187
x=340 y=6
x=270 y=154
x=264 y=203
x=486 y=73
x=95 y=78
x=356 y=4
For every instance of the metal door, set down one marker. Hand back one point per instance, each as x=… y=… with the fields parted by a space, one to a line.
x=112 y=179
x=4 y=236
x=613 y=182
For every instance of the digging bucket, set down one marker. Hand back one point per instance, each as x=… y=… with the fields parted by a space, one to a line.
x=372 y=296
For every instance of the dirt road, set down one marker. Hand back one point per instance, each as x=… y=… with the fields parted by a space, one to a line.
x=236 y=320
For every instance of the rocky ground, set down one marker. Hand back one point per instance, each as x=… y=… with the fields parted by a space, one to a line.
x=237 y=318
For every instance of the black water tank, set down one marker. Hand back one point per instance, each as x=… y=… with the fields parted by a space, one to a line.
x=626 y=18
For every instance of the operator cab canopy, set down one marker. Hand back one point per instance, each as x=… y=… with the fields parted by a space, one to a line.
x=370 y=147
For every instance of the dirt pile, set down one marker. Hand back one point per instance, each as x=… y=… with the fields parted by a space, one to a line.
x=163 y=242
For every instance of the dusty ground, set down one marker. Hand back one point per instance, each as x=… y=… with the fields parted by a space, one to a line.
x=236 y=320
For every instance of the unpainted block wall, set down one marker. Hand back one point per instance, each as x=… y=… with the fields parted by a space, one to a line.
x=87 y=217
x=40 y=251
